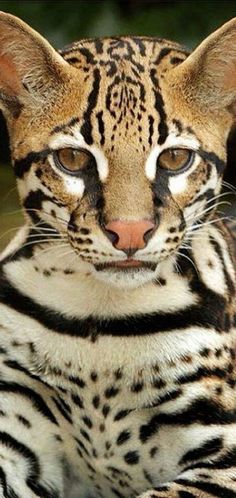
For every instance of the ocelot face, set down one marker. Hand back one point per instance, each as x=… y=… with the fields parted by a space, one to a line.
x=119 y=153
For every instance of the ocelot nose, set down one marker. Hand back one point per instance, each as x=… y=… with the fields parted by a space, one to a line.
x=129 y=236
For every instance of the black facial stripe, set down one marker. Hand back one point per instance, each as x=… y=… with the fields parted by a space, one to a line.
x=151 y=128
x=162 y=54
x=101 y=127
x=63 y=127
x=211 y=157
x=206 y=196
x=161 y=190
x=160 y=107
x=86 y=128
x=34 y=201
x=22 y=166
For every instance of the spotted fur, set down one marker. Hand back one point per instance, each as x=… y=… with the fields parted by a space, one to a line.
x=117 y=382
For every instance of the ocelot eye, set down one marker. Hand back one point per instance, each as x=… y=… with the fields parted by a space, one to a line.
x=72 y=160
x=175 y=160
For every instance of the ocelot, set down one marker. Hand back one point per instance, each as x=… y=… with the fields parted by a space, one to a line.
x=117 y=296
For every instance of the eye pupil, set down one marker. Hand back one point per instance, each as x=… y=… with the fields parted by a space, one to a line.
x=175 y=159
x=72 y=160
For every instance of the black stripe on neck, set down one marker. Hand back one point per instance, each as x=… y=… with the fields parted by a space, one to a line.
x=209 y=314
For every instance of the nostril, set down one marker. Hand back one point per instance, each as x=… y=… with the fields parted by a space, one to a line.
x=148 y=234
x=112 y=236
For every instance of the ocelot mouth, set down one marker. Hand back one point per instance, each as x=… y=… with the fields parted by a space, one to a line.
x=127 y=264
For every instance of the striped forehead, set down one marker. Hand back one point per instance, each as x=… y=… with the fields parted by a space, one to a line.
x=122 y=79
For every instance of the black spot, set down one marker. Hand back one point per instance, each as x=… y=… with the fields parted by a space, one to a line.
x=94 y=453
x=132 y=457
x=118 y=374
x=96 y=401
x=123 y=437
x=205 y=352
x=77 y=400
x=137 y=387
x=158 y=383
x=105 y=410
x=77 y=380
x=72 y=60
x=153 y=451
x=94 y=376
x=121 y=414
x=85 y=434
x=67 y=271
x=46 y=273
x=84 y=231
x=111 y=392
x=87 y=421
x=24 y=421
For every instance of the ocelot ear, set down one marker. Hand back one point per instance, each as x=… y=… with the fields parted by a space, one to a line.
x=30 y=69
x=209 y=73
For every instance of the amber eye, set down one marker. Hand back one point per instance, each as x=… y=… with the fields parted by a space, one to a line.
x=73 y=160
x=175 y=159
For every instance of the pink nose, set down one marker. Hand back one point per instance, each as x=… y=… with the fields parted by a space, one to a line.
x=129 y=236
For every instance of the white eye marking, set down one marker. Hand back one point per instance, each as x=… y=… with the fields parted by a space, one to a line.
x=151 y=166
x=178 y=183
x=74 y=185
x=77 y=140
x=102 y=163
x=171 y=141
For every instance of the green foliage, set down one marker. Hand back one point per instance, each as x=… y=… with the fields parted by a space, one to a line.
x=62 y=22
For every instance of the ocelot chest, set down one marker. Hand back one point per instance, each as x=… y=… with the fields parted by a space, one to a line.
x=108 y=425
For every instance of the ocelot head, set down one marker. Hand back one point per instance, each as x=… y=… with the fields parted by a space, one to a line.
x=118 y=144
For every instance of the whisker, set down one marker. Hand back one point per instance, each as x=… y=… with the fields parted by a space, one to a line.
x=9 y=231
x=229 y=185
x=189 y=259
x=47 y=249
x=204 y=211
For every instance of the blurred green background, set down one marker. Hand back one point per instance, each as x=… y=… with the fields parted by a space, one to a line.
x=62 y=22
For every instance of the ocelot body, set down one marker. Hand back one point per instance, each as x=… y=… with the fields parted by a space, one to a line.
x=117 y=297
